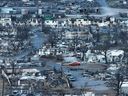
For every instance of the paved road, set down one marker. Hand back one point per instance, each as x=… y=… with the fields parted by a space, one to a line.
x=113 y=11
x=106 y=10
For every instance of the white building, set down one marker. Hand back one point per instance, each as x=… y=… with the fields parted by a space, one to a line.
x=51 y=23
x=5 y=21
x=112 y=55
x=25 y=0
x=115 y=55
x=73 y=21
x=124 y=88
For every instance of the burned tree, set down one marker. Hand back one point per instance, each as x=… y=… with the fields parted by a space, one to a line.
x=103 y=48
x=118 y=79
x=23 y=32
x=52 y=39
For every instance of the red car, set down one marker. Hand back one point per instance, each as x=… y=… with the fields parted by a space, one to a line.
x=74 y=64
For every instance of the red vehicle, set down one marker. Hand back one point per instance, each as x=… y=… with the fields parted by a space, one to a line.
x=74 y=64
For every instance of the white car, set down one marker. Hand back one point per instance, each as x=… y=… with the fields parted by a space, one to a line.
x=72 y=78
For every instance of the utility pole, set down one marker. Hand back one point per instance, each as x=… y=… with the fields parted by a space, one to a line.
x=61 y=69
x=3 y=86
x=3 y=82
x=4 y=77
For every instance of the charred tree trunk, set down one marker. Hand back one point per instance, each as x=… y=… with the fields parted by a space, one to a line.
x=105 y=53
